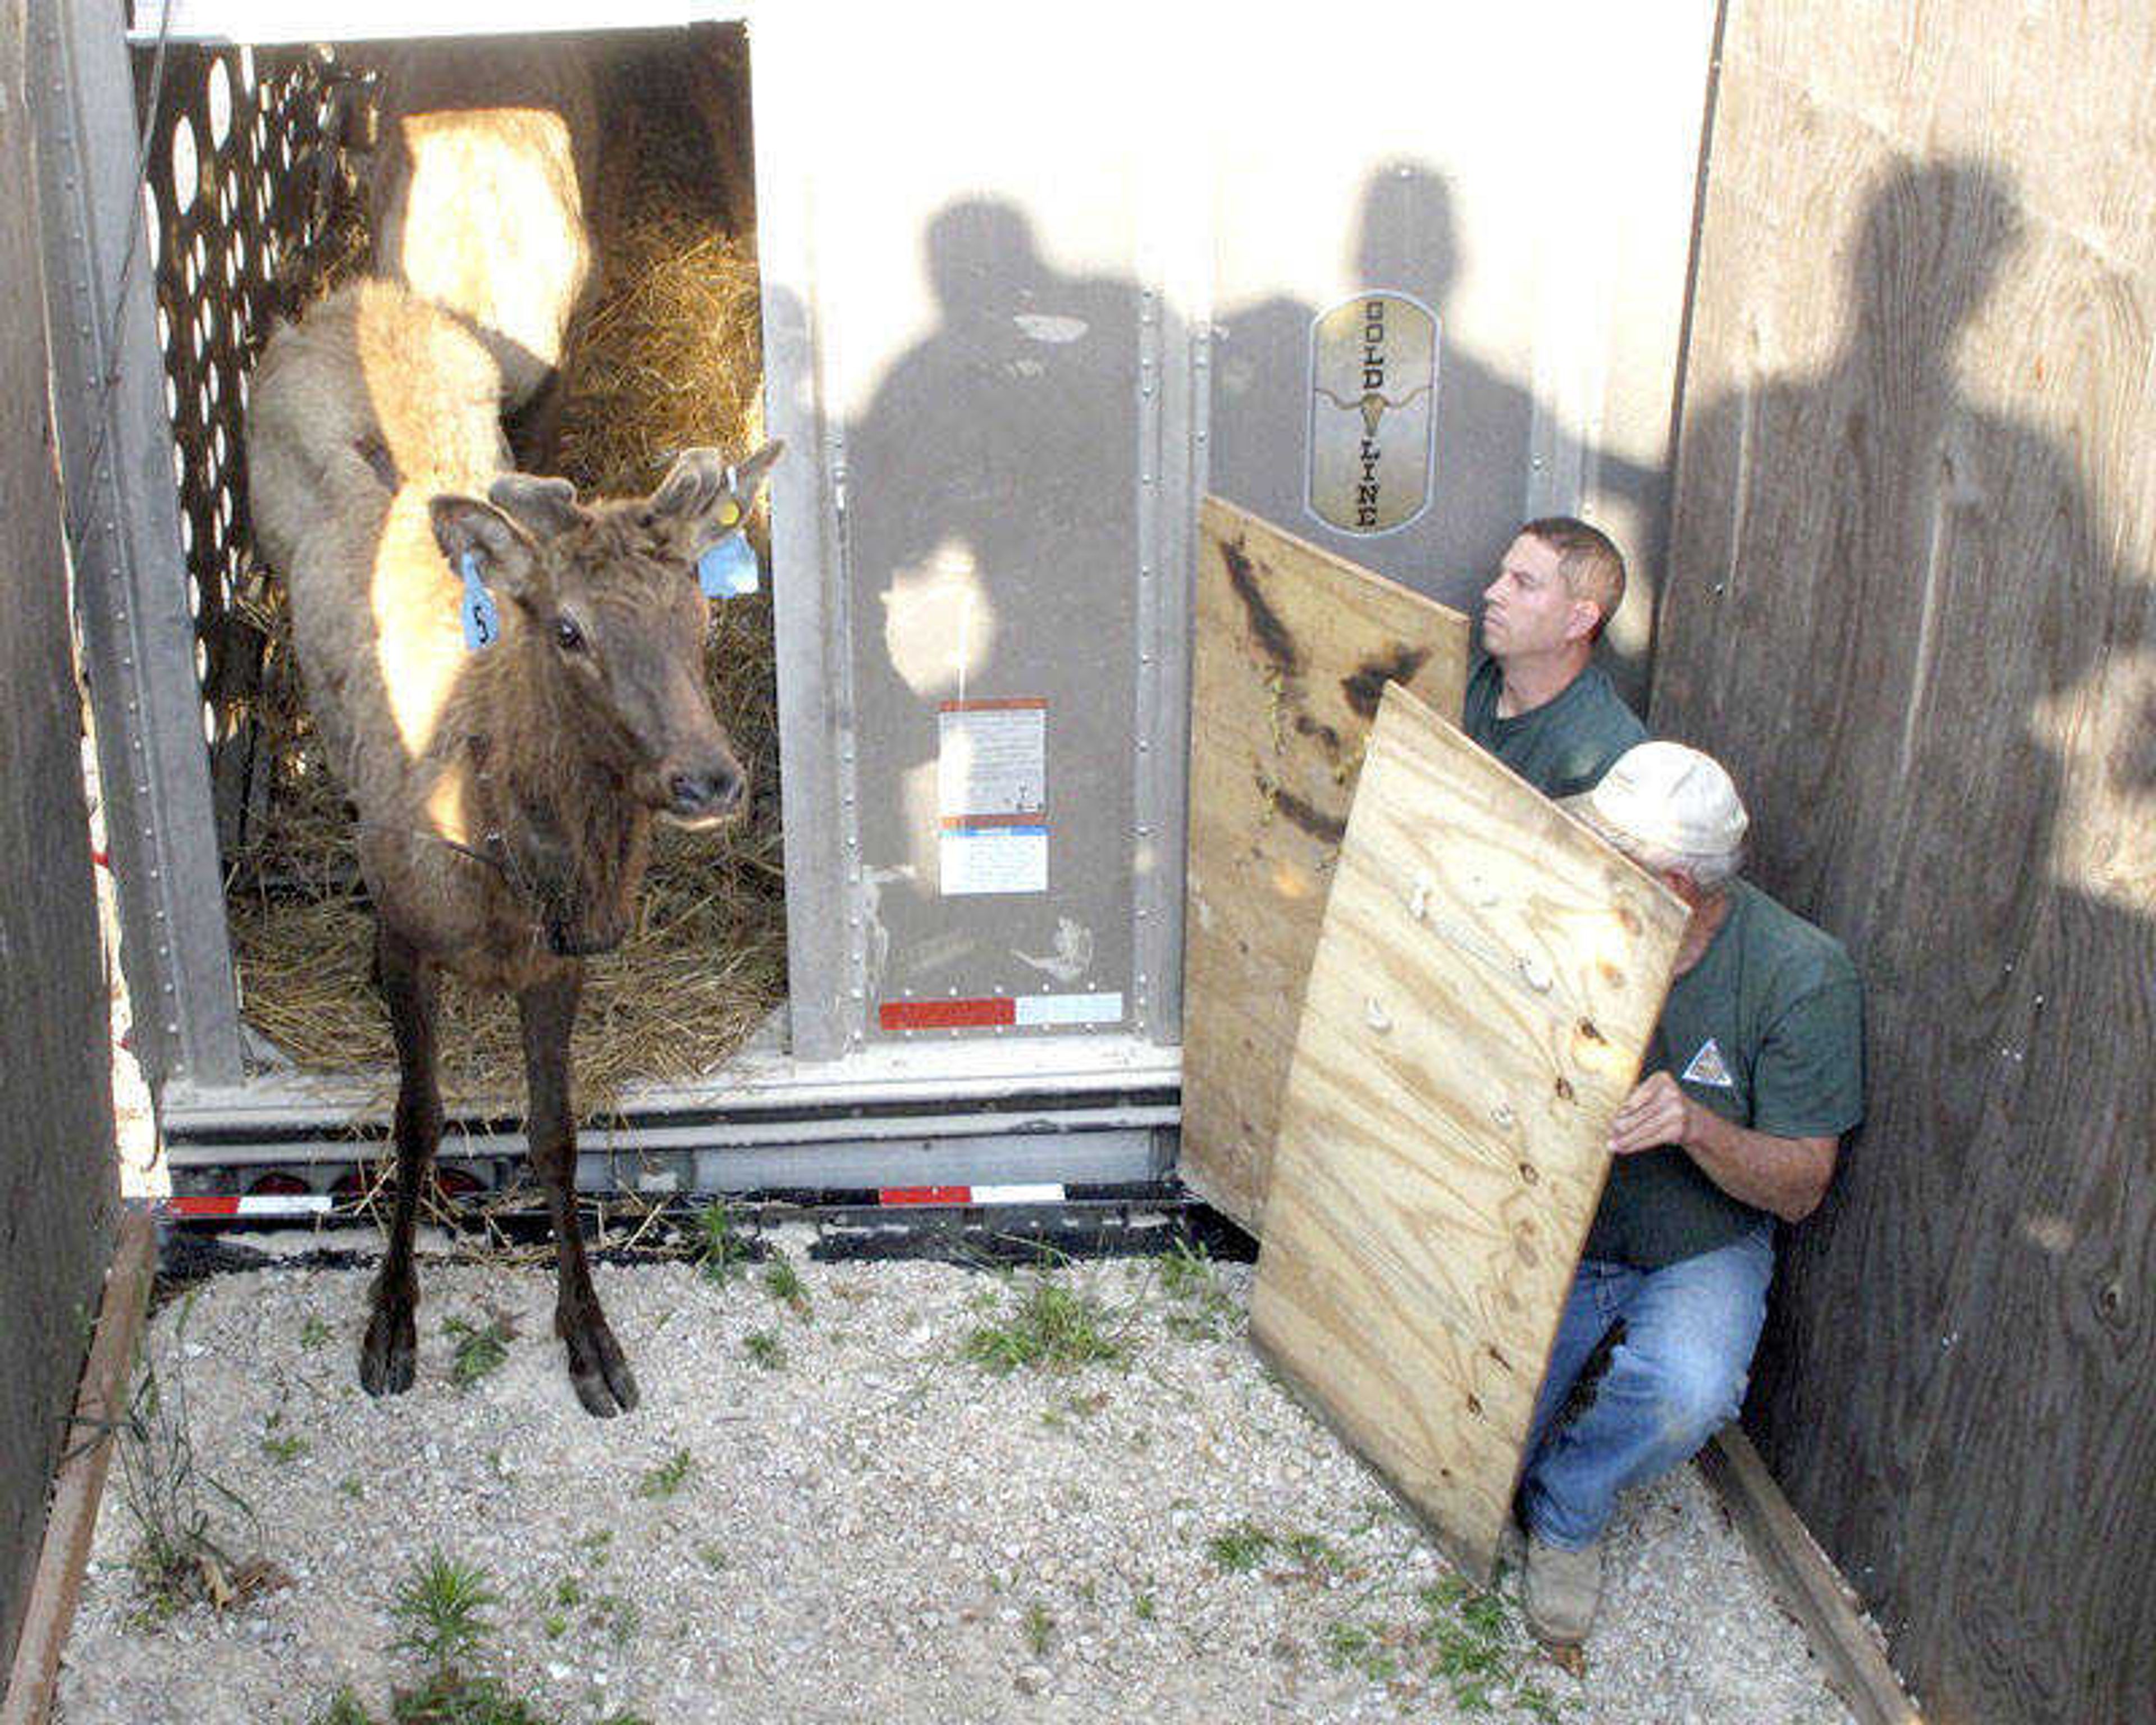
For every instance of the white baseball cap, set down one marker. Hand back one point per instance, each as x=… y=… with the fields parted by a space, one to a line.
x=1665 y=796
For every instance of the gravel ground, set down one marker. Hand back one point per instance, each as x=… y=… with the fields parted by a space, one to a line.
x=869 y=1527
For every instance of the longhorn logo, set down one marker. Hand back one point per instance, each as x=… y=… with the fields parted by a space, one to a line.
x=1373 y=412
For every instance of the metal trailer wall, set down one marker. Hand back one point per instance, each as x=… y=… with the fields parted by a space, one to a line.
x=971 y=349
x=1028 y=292
x=1913 y=603
x=57 y=1185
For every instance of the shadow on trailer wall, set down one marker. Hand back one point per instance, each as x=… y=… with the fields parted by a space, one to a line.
x=56 y=1179
x=1911 y=602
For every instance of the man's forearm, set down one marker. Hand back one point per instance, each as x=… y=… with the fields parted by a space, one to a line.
x=1788 y=1176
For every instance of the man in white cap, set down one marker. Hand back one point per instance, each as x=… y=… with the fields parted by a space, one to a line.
x=1535 y=698
x=1755 y=1073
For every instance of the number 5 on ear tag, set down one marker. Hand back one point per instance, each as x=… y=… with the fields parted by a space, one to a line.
x=482 y=622
x=727 y=568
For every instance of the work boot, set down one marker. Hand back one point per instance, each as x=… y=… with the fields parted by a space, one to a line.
x=1560 y=1590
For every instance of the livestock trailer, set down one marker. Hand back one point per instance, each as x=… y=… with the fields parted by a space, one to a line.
x=1033 y=283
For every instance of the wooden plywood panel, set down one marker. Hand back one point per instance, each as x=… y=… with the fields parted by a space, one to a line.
x=1294 y=647
x=1488 y=976
x=1912 y=604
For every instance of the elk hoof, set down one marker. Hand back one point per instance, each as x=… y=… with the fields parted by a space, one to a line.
x=387 y=1356
x=600 y=1370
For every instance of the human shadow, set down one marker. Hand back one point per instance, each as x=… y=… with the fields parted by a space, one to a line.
x=993 y=514
x=1905 y=649
x=990 y=505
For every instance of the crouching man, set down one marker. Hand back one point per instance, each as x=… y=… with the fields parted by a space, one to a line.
x=1755 y=1071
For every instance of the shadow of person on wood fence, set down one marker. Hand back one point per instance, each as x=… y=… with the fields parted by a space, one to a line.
x=1957 y=784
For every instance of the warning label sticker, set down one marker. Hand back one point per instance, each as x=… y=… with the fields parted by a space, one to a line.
x=992 y=796
x=992 y=758
x=993 y=858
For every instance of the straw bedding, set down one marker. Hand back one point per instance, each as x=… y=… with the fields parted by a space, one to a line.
x=669 y=355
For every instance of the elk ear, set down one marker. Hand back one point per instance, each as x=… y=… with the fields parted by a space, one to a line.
x=504 y=553
x=542 y=507
x=701 y=497
x=750 y=475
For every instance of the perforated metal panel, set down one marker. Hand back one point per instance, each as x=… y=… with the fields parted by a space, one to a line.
x=240 y=186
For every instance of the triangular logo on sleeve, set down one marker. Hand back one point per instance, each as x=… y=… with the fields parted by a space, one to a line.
x=1708 y=1067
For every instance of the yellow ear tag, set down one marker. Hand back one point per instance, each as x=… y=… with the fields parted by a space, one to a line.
x=729 y=515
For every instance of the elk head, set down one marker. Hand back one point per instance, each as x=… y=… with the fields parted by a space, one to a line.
x=615 y=619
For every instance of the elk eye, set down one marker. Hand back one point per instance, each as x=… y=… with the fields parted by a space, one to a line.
x=567 y=636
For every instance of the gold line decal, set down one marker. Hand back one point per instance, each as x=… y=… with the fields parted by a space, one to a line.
x=1373 y=412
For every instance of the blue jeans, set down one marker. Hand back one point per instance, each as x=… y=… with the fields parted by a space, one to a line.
x=1690 y=1328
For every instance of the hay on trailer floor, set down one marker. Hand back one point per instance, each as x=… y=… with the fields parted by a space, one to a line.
x=669 y=357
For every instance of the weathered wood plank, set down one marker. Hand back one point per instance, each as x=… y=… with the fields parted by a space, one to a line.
x=58 y=1185
x=1488 y=975
x=1809 y=1585
x=79 y=1485
x=1911 y=602
x=1294 y=647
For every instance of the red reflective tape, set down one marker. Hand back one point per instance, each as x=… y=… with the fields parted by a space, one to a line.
x=201 y=1206
x=946 y=1015
x=926 y=1195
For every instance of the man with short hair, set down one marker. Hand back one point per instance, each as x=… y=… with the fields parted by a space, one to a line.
x=1755 y=1071
x=1536 y=700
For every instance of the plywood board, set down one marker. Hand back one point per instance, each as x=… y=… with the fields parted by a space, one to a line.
x=1488 y=974
x=1294 y=647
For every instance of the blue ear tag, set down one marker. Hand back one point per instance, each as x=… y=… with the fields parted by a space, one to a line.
x=482 y=622
x=727 y=568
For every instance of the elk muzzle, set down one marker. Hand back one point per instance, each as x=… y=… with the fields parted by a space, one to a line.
x=703 y=793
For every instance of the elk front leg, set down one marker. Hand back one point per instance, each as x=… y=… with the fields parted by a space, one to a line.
x=597 y=1366
x=406 y=981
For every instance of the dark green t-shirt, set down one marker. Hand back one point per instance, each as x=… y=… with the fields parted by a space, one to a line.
x=1564 y=745
x=1768 y=1031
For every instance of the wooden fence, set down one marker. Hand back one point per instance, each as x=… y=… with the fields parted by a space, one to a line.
x=56 y=1167
x=1912 y=593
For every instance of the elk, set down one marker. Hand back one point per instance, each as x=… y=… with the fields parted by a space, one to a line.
x=480 y=198
x=505 y=778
